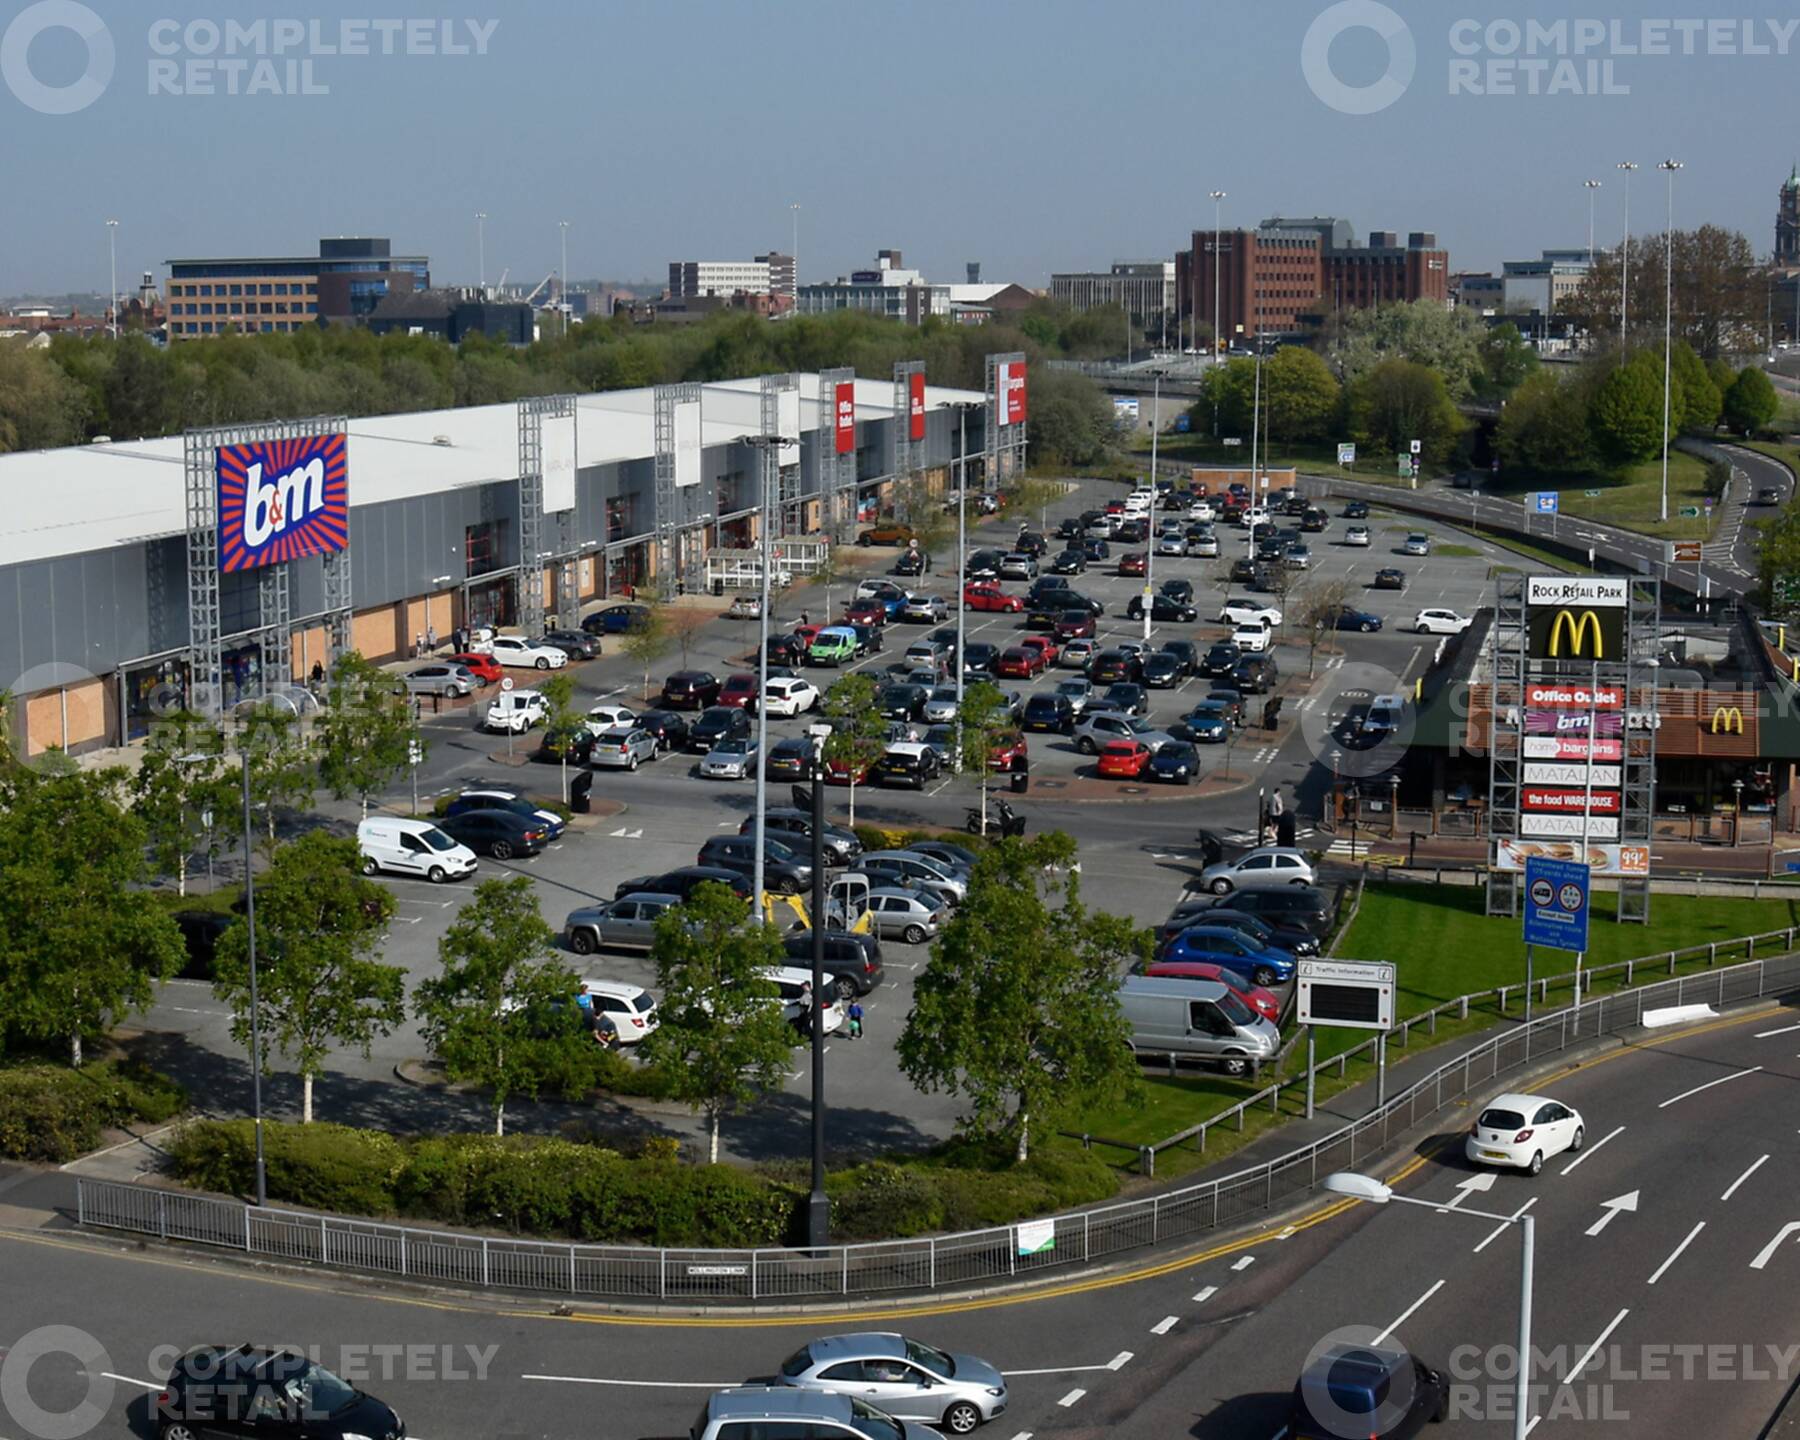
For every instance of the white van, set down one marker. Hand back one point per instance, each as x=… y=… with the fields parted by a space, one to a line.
x=1386 y=712
x=1199 y=1019
x=792 y=983
x=412 y=847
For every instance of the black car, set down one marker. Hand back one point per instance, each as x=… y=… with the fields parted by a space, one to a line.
x=1044 y=614
x=499 y=833
x=683 y=880
x=1161 y=670
x=1314 y=521
x=1186 y=653
x=1176 y=764
x=790 y=759
x=979 y=657
x=1292 y=503
x=220 y=1391
x=576 y=644
x=854 y=969
x=1304 y=906
x=793 y=827
x=1111 y=666
x=1180 y=591
x=1046 y=587
x=1230 y=702
x=1255 y=674
x=1070 y=562
x=716 y=723
x=1269 y=931
x=1389 y=577
x=1243 y=571
x=910 y=765
x=1768 y=495
x=1030 y=543
x=785 y=871
x=910 y=562
x=200 y=932
x=786 y=650
x=1097 y=549
x=983 y=565
x=1071 y=600
x=1132 y=532
x=1127 y=697
x=691 y=689
x=902 y=702
x=1220 y=660
x=1356 y=510
x=1271 y=547
x=868 y=637
x=670 y=729
x=1069 y=528
x=1367 y=621
x=1162 y=608
x=1049 y=714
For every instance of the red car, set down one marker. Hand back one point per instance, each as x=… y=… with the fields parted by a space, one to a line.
x=1124 y=759
x=1134 y=563
x=1115 y=507
x=1009 y=750
x=991 y=597
x=841 y=772
x=865 y=612
x=1264 y=1002
x=484 y=668
x=1044 y=645
x=805 y=634
x=1018 y=663
x=738 y=690
x=1075 y=625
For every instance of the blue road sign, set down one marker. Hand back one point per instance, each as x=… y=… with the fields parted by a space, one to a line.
x=1556 y=904
x=1544 y=501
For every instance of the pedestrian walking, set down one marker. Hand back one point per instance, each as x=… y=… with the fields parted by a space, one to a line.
x=856 y=1020
x=431 y=641
x=1276 y=808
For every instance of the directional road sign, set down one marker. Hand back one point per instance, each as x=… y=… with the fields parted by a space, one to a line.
x=1556 y=903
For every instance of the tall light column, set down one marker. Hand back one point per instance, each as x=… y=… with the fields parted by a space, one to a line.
x=1669 y=167
x=112 y=252
x=562 y=282
x=768 y=448
x=963 y=407
x=481 y=250
x=1592 y=186
x=1217 y=196
x=1627 y=166
x=1150 y=535
x=795 y=208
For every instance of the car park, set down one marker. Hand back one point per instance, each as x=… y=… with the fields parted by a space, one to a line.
x=716 y=724
x=1521 y=1132
x=497 y=833
x=1440 y=622
x=1176 y=764
x=1257 y=870
x=411 y=847
x=518 y=652
x=515 y=711
x=627 y=923
x=622 y=747
x=904 y=1378
x=910 y=764
x=1389 y=577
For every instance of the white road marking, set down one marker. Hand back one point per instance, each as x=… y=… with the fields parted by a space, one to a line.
x=1785 y=1030
x=1071 y=1398
x=1119 y=1361
x=1473 y=1185
x=1407 y=1313
x=1244 y=1263
x=634 y=1384
x=1676 y=1252
x=1165 y=1325
x=1502 y=1228
x=1206 y=1294
x=1628 y=1201
x=1287 y=1231
x=1591 y=1149
x=1762 y=1256
x=1594 y=1349
x=1732 y=1188
x=1739 y=1075
x=131 y=1380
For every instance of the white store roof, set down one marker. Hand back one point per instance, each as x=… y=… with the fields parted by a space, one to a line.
x=92 y=497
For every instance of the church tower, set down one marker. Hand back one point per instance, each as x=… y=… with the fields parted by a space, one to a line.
x=1787 y=223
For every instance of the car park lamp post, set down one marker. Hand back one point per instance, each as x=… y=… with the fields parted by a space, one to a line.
x=818 y=1204
x=1150 y=520
x=1737 y=811
x=765 y=447
x=1363 y=1187
x=962 y=538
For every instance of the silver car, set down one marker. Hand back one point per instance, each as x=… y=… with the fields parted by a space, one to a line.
x=622 y=747
x=446 y=680
x=899 y=912
x=1263 y=869
x=1100 y=727
x=731 y=760
x=1078 y=693
x=918 y=872
x=940 y=708
x=628 y=923
x=1205 y=548
x=905 y=1378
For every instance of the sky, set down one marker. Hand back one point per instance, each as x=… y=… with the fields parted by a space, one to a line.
x=1030 y=135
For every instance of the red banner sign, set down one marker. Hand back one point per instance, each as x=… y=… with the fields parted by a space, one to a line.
x=846 y=417
x=1569 y=802
x=916 y=401
x=1011 y=379
x=1574 y=696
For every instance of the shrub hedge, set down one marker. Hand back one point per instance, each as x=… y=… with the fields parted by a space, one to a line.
x=573 y=1190
x=52 y=1114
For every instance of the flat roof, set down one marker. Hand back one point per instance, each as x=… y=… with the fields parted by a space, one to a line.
x=93 y=497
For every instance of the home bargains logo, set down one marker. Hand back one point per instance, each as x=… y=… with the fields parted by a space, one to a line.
x=282 y=499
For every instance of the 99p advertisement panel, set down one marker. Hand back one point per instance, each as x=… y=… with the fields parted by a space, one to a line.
x=280 y=500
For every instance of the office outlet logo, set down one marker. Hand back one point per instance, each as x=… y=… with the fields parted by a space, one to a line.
x=281 y=499
x=1728 y=720
x=1578 y=630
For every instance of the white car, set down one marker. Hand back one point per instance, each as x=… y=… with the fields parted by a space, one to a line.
x=515 y=711
x=517 y=650
x=730 y=760
x=1418 y=543
x=1440 y=622
x=1254 y=516
x=630 y=1008
x=1252 y=639
x=1248 y=612
x=790 y=697
x=1523 y=1131
x=744 y=607
x=605 y=717
x=1357 y=535
x=1202 y=510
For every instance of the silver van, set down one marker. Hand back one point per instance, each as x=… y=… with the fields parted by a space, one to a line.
x=1199 y=1019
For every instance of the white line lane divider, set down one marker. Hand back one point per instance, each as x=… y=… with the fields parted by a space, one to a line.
x=1504 y=1226
x=1206 y=1294
x=1071 y=1398
x=1119 y=1361
x=1675 y=1254
x=1592 y=1148
x=1407 y=1313
x=1594 y=1349
x=1784 y=1030
x=1732 y=1188
x=1165 y=1325
x=1738 y=1075
x=1244 y=1262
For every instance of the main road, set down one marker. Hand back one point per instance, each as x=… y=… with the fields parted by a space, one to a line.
x=1678 y=1317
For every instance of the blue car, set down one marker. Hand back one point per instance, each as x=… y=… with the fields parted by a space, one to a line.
x=1363 y=620
x=1233 y=951
x=1208 y=722
x=615 y=619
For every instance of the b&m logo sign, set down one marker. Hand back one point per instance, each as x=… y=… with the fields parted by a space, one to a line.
x=281 y=499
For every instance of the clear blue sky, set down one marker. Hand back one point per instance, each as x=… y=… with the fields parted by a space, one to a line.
x=1032 y=135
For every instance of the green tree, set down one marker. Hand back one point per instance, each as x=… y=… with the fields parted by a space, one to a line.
x=916 y=505
x=1231 y=390
x=1423 y=332
x=1700 y=398
x=283 y=765
x=1316 y=612
x=563 y=721
x=1544 y=427
x=1399 y=401
x=1017 y=1011
x=183 y=777
x=365 y=731
x=1071 y=422
x=1626 y=416
x=1507 y=362
x=647 y=640
x=85 y=943
x=41 y=406
x=1751 y=403
x=1301 y=397
x=859 y=729
x=981 y=721
x=319 y=925
x=502 y=1013
x=721 y=1037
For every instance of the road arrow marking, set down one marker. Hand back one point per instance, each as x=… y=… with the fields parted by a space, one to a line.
x=1769 y=1250
x=635 y=835
x=1612 y=1208
x=1473 y=1185
x=616 y=834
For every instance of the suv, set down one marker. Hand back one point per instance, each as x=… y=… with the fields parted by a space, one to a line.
x=853 y=961
x=628 y=923
x=719 y=722
x=758 y=1410
x=907 y=764
x=690 y=690
x=785 y=871
x=793 y=827
x=1365 y=1387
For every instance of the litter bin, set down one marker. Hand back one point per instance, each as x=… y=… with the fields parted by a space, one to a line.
x=1284 y=830
x=1021 y=777
x=579 y=787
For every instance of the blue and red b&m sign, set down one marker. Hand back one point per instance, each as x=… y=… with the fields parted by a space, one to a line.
x=281 y=499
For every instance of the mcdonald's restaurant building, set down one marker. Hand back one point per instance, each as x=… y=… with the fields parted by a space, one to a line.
x=1726 y=717
x=94 y=552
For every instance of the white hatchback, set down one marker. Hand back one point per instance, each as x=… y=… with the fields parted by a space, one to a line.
x=1523 y=1131
x=1248 y=612
x=1440 y=622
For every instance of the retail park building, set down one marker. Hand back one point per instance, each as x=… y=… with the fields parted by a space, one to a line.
x=127 y=577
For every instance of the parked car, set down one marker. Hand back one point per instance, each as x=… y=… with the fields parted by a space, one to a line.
x=1197 y=1020
x=1126 y=697
x=834 y=645
x=1018 y=566
x=1356 y=510
x=988 y=596
x=1389 y=577
x=1073 y=625
x=1523 y=1131
x=1358 y=536
x=444 y=679
x=1073 y=561
x=1268 y=932
x=788 y=697
x=1350 y=618
x=683 y=881
x=1255 y=674
x=1077 y=651
x=853 y=962
x=515 y=711
x=925 y=609
x=905 y=912
x=411 y=847
x=615 y=619
x=1249 y=612
x=732 y=758
x=1258 y=870
x=908 y=563
x=690 y=690
x=499 y=833
x=982 y=565
x=786 y=870
x=1243 y=571
x=1253 y=638
x=1112 y=666
x=757 y=1410
x=576 y=644
x=916 y=872
x=669 y=729
x=904 y=1378
x=978 y=658
x=1206 y=724
x=517 y=651
x=498 y=798
x=1440 y=622
x=716 y=724
x=1049 y=713
x=628 y=923
x=1018 y=663
x=1303 y=906
x=886 y=532
x=1417 y=543
x=1100 y=727
x=909 y=764
x=1163 y=609
x=1134 y=562
x=1078 y=692
x=623 y=747
x=794 y=828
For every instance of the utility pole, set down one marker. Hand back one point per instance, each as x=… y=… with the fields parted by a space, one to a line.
x=481 y=250
x=1217 y=196
x=1627 y=166
x=112 y=251
x=768 y=449
x=562 y=282
x=1592 y=186
x=1669 y=167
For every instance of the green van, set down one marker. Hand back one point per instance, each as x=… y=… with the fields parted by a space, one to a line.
x=834 y=645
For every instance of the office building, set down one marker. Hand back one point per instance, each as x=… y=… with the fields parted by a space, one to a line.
x=1143 y=289
x=342 y=284
x=1540 y=287
x=889 y=289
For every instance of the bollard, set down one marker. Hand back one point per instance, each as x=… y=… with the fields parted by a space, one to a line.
x=1712 y=954
x=1146 y=1160
x=1502 y=999
x=1463 y=1008
x=1671 y=962
x=1543 y=992
x=1171 y=1064
x=1274 y=1099
x=1240 y=1119
x=1628 y=965
x=1431 y=1023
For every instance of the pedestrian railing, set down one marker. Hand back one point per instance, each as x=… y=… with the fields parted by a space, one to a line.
x=972 y=1260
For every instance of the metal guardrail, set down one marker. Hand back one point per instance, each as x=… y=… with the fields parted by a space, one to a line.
x=934 y=1263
